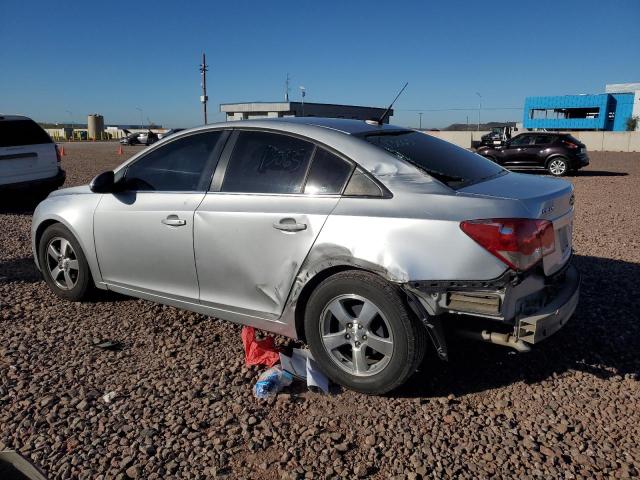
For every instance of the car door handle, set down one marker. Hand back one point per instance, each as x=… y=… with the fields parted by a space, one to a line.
x=174 y=221
x=289 y=225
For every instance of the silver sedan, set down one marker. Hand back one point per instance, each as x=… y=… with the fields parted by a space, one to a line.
x=366 y=241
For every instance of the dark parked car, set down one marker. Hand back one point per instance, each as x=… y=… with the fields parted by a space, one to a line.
x=558 y=153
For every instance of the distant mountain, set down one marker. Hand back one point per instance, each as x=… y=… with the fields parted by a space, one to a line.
x=463 y=127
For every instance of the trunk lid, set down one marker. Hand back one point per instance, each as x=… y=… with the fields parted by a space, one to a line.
x=544 y=198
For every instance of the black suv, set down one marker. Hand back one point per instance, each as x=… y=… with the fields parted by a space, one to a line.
x=558 y=153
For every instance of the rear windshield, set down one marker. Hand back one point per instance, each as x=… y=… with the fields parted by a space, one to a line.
x=452 y=165
x=14 y=133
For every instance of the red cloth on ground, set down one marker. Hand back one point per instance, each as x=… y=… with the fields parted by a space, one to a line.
x=258 y=352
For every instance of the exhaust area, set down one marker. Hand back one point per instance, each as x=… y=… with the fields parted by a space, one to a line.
x=503 y=339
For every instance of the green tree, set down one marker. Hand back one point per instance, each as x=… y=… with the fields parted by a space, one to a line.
x=632 y=123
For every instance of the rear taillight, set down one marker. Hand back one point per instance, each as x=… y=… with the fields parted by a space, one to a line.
x=518 y=242
x=570 y=145
x=58 y=157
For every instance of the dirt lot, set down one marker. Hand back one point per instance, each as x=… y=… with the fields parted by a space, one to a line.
x=570 y=408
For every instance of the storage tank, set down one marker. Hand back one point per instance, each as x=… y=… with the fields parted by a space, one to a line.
x=95 y=125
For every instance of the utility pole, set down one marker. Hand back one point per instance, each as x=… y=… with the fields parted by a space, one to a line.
x=420 y=121
x=479 y=108
x=303 y=91
x=286 y=89
x=203 y=98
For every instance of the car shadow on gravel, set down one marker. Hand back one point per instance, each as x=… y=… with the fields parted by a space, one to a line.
x=19 y=270
x=602 y=339
x=19 y=204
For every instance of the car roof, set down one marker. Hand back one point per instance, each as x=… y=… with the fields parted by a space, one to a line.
x=341 y=135
x=344 y=125
x=4 y=117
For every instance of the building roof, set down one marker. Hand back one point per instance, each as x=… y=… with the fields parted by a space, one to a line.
x=282 y=106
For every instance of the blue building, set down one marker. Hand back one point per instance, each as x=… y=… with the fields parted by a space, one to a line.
x=606 y=111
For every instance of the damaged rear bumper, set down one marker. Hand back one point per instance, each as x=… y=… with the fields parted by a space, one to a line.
x=553 y=316
x=520 y=308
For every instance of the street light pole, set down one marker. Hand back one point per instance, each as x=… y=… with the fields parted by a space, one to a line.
x=420 y=120
x=141 y=121
x=70 y=118
x=479 y=108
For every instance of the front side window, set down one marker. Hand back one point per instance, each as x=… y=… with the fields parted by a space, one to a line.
x=328 y=173
x=183 y=165
x=452 y=165
x=264 y=162
x=521 y=140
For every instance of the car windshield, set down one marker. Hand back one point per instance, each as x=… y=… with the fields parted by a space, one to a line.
x=452 y=165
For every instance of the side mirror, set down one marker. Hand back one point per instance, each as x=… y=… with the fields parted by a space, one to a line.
x=103 y=183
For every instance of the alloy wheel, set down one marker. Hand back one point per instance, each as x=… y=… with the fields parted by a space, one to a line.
x=557 y=167
x=356 y=334
x=62 y=263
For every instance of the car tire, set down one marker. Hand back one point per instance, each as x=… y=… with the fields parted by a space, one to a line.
x=361 y=332
x=63 y=264
x=558 y=166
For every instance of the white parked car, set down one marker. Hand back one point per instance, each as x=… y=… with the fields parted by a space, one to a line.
x=29 y=160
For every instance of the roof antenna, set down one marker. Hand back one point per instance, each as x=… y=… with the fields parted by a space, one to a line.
x=386 y=112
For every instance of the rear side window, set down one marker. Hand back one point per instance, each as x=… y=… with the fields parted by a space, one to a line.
x=264 y=162
x=15 y=133
x=452 y=165
x=543 y=139
x=328 y=173
x=184 y=165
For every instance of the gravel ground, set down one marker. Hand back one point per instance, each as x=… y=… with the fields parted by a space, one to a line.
x=184 y=407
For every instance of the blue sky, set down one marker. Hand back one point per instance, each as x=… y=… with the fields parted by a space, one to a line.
x=111 y=57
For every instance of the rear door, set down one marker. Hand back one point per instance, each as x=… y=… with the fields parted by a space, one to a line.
x=270 y=198
x=540 y=149
x=26 y=152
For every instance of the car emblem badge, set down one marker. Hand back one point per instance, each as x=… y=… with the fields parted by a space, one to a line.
x=548 y=209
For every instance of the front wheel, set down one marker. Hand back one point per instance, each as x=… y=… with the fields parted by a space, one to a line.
x=558 y=166
x=63 y=264
x=360 y=331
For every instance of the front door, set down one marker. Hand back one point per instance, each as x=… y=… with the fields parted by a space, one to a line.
x=517 y=152
x=144 y=233
x=254 y=231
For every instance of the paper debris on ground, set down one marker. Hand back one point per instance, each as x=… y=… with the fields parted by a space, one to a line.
x=302 y=365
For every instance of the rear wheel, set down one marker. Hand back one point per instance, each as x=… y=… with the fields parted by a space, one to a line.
x=361 y=333
x=63 y=264
x=558 y=166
